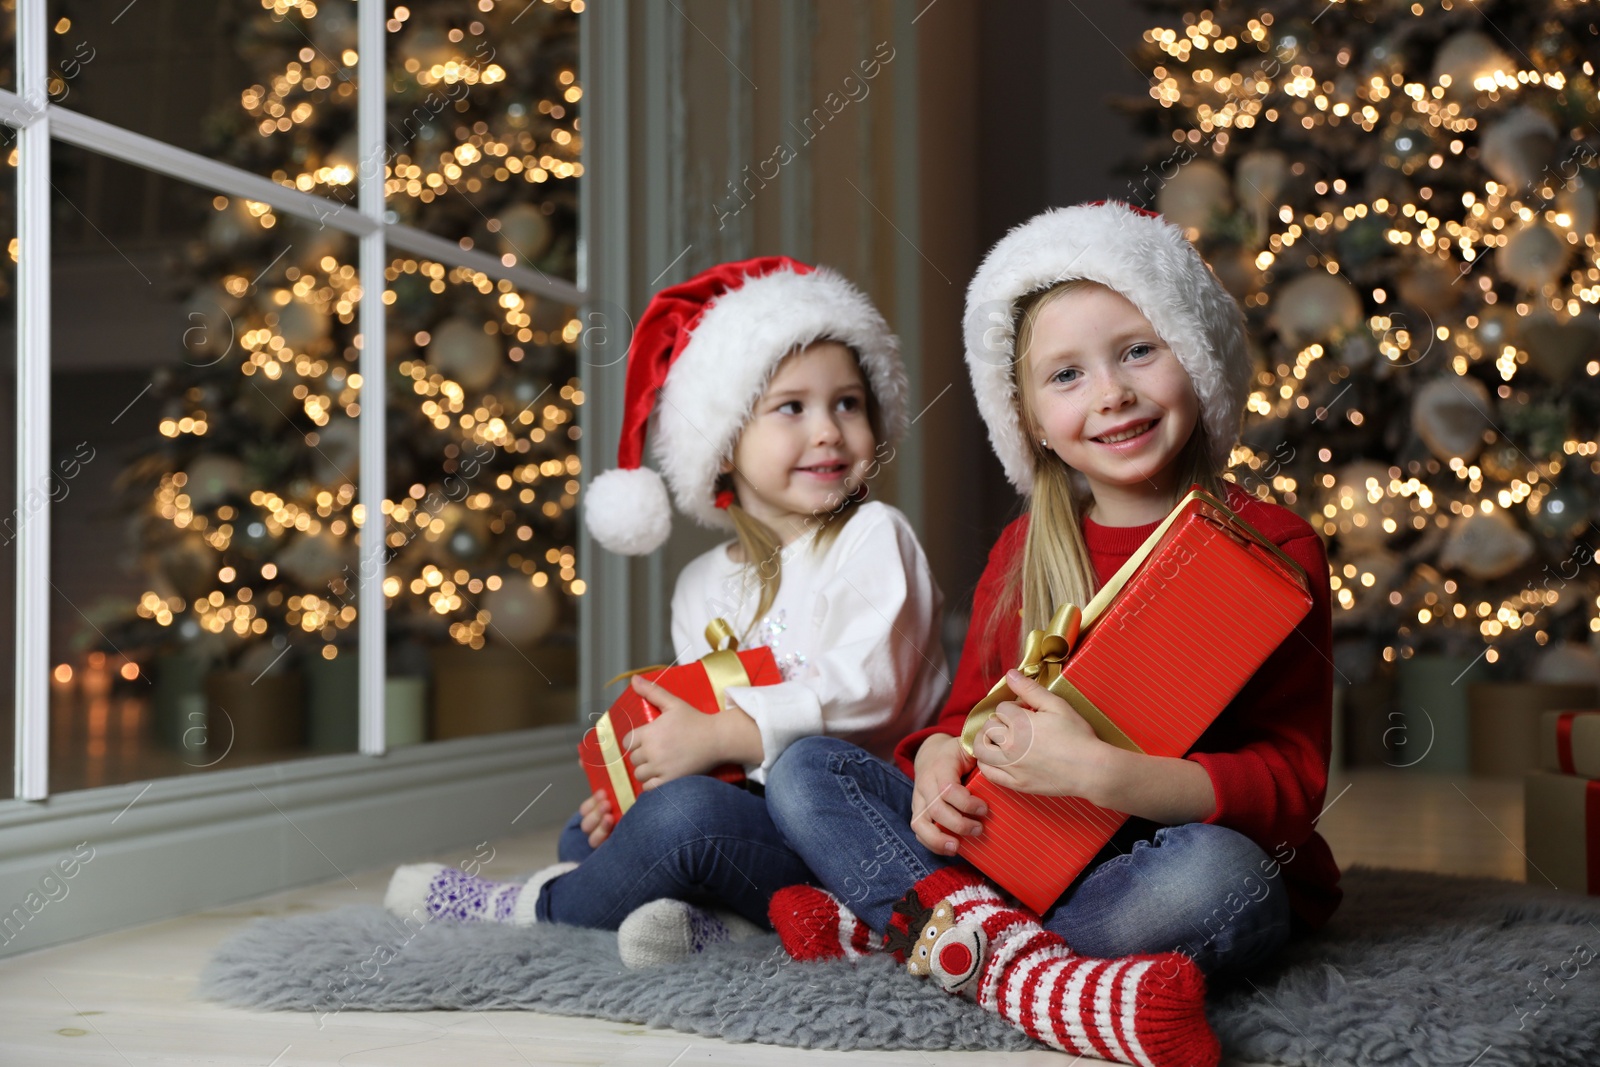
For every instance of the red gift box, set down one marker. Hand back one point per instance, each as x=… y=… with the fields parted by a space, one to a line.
x=1569 y=742
x=702 y=683
x=1150 y=663
x=1562 y=831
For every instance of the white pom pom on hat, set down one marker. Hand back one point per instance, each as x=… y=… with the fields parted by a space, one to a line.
x=628 y=511
x=1138 y=254
x=700 y=357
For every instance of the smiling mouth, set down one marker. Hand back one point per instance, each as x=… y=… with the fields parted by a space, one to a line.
x=826 y=469
x=1126 y=435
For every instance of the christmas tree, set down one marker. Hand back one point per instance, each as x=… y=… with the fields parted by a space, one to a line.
x=1402 y=197
x=246 y=514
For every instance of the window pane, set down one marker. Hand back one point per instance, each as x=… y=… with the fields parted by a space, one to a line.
x=483 y=479
x=204 y=381
x=483 y=127
x=9 y=506
x=8 y=47
x=268 y=86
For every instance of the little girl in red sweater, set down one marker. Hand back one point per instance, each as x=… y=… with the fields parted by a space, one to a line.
x=1110 y=366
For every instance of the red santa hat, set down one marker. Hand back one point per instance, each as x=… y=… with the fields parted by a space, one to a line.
x=700 y=358
x=1136 y=253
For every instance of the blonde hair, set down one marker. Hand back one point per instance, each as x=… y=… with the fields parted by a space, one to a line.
x=761 y=545
x=1055 y=567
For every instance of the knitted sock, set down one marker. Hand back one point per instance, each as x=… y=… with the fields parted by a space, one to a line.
x=441 y=892
x=667 y=931
x=1145 y=1010
x=814 y=925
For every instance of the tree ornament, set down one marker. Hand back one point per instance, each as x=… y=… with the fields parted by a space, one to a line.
x=213 y=479
x=314 y=560
x=1533 y=256
x=1258 y=182
x=1518 y=148
x=521 y=612
x=525 y=232
x=1384 y=568
x=1467 y=58
x=461 y=350
x=1558 y=350
x=302 y=326
x=1485 y=547
x=1316 y=306
x=1196 y=196
x=337 y=455
x=1450 y=414
x=1361 y=505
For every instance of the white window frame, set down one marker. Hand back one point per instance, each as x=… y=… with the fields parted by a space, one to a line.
x=39 y=123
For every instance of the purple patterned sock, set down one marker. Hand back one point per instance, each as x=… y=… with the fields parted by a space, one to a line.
x=439 y=892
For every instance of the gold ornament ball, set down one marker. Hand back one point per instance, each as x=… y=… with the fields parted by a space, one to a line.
x=462 y=351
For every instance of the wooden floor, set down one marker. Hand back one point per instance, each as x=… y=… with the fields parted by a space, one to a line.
x=128 y=998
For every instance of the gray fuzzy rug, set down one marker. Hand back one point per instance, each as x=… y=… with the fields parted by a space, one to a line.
x=1414 y=969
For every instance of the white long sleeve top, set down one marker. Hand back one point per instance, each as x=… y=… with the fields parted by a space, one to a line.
x=854 y=628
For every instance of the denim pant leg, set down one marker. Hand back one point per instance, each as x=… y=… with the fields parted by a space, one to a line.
x=573 y=844
x=696 y=839
x=1200 y=889
x=848 y=814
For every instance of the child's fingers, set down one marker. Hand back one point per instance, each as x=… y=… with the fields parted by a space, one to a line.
x=934 y=817
x=1000 y=774
x=935 y=839
x=1007 y=739
x=1030 y=694
x=963 y=801
x=651 y=692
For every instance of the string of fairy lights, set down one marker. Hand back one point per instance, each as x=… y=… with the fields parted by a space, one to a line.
x=1414 y=243
x=481 y=561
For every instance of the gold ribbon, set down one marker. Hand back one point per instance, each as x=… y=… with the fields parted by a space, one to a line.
x=723 y=669
x=606 y=734
x=1046 y=651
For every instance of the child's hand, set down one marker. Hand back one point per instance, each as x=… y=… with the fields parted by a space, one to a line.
x=940 y=804
x=597 y=819
x=1050 y=750
x=685 y=740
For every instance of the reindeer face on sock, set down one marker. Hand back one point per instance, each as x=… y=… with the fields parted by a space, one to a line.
x=949 y=952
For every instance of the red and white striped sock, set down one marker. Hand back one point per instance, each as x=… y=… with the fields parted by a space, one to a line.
x=814 y=925
x=1146 y=1010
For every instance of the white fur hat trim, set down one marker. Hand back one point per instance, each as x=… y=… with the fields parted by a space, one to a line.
x=1146 y=259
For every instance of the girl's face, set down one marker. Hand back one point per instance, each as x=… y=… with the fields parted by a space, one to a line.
x=808 y=443
x=1107 y=394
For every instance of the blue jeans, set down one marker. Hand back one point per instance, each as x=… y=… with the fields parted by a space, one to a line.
x=696 y=839
x=1198 y=889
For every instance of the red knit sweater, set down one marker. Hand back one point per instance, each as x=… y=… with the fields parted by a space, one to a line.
x=1267 y=753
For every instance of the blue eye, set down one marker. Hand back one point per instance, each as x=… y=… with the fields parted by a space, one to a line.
x=1060 y=378
x=1141 y=350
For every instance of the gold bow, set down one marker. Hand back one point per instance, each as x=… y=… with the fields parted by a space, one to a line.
x=1043 y=657
x=723 y=669
x=1046 y=651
